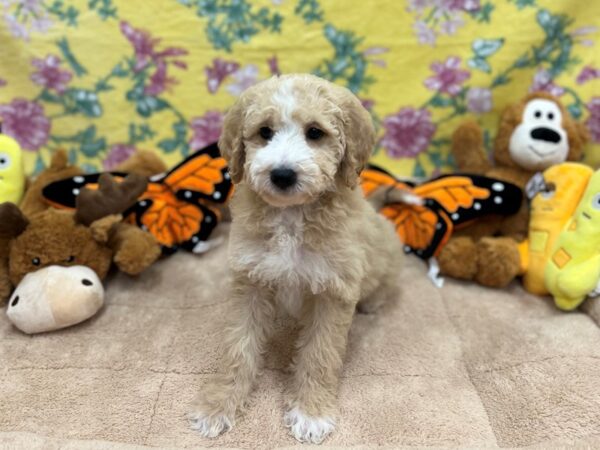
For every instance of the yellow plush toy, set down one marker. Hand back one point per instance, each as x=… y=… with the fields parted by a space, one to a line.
x=559 y=193
x=12 y=174
x=573 y=271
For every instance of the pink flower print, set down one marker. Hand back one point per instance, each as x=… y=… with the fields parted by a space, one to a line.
x=118 y=154
x=425 y=35
x=206 y=129
x=593 y=121
x=274 y=66
x=244 y=78
x=451 y=26
x=3 y=82
x=587 y=73
x=542 y=81
x=407 y=133
x=448 y=78
x=460 y=5
x=159 y=81
x=419 y=5
x=25 y=121
x=143 y=44
x=49 y=74
x=368 y=103
x=16 y=28
x=479 y=100
x=216 y=74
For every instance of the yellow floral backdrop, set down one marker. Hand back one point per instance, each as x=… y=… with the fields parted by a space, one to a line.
x=101 y=78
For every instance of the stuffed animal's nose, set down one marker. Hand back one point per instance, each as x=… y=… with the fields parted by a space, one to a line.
x=283 y=178
x=545 y=134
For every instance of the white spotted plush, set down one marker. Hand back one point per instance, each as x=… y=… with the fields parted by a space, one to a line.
x=209 y=427
x=308 y=429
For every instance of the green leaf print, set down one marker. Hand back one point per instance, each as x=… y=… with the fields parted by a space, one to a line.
x=104 y=8
x=310 y=10
x=484 y=13
x=348 y=63
x=486 y=47
x=479 y=64
x=82 y=101
x=231 y=21
x=68 y=15
x=65 y=50
x=523 y=3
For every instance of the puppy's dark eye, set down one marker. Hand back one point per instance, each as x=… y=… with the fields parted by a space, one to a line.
x=538 y=114
x=70 y=259
x=550 y=116
x=36 y=261
x=266 y=133
x=314 y=134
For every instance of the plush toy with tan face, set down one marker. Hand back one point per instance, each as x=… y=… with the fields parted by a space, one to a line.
x=533 y=135
x=52 y=262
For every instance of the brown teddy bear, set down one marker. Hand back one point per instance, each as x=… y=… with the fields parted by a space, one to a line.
x=533 y=135
x=46 y=253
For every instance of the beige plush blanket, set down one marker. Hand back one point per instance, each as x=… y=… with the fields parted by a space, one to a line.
x=458 y=367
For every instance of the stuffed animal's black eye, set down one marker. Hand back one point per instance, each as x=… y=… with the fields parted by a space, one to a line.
x=266 y=133
x=314 y=134
x=538 y=114
x=70 y=259
x=550 y=116
x=36 y=261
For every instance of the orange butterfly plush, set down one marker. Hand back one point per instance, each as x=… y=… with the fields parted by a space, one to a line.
x=447 y=202
x=178 y=207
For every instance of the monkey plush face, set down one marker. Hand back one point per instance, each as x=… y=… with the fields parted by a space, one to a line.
x=540 y=140
x=537 y=133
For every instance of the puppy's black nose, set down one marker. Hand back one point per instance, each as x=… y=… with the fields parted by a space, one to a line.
x=283 y=178
x=545 y=134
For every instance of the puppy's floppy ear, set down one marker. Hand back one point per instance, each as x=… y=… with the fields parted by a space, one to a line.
x=358 y=136
x=231 y=142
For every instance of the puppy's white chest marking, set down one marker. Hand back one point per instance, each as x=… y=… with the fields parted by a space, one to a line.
x=285 y=260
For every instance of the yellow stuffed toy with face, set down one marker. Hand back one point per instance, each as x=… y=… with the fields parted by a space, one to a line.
x=573 y=270
x=12 y=173
x=549 y=212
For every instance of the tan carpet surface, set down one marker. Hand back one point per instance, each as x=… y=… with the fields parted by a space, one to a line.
x=458 y=367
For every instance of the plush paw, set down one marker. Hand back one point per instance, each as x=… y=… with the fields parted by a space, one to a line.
x=210 y=426
x=308 y=429
x=498 y=261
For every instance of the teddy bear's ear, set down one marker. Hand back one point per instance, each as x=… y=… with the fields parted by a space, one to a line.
x=12 y=221
x=112 y=197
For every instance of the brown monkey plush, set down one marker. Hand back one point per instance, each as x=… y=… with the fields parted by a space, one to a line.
x=55 y=260
x=533 y=135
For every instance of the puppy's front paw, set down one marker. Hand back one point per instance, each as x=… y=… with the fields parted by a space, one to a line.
x=210 y=426
x=308 y=429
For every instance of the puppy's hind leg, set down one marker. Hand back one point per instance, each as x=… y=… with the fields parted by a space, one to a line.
x=385 y=293
x=244 y=343
x=321 y=348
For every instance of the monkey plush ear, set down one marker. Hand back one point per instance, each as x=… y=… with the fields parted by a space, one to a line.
x=12 y=221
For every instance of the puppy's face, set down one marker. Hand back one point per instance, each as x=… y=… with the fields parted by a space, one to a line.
x=288 y=138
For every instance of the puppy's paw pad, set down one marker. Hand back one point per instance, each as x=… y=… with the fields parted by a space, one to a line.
x=308 y=429
x=209 y=426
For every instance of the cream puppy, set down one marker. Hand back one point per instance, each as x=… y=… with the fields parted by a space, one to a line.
x=303 y=239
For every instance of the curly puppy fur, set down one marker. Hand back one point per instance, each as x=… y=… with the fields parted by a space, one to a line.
x=313 y=249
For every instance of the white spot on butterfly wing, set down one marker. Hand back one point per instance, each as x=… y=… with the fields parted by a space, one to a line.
x=498 y=200
x=455 y=216
x=217 y=195
x=78 y=179
x=498 y=187
x=75 y=191
x=477 y=206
